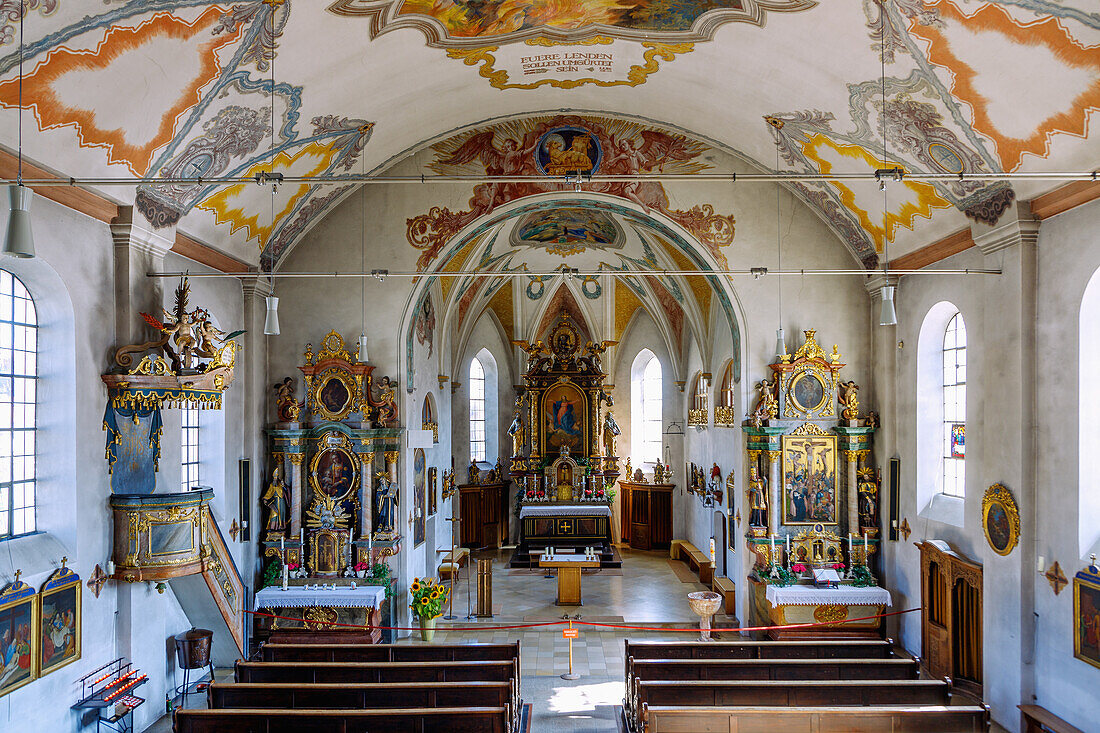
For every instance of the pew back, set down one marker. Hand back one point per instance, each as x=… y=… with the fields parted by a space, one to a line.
x=931 y=719
x=771 y=669
x=243 y=695
x=791 y=694
x=747 y=649
x=403 y=720
x=388 y=652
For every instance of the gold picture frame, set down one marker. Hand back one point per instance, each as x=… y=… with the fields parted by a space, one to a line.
x=334 y=394
x=565 y=420
x=59 y=621
x=1086 y=615
x=1000 y=519
x=19 y=616
x=811 y=479
x=334 y=469
x=797 y=392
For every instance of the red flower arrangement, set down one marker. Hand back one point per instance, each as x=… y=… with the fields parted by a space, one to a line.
x=359 y=567
x=292 y=566
x=798 y=568
x=838 y=566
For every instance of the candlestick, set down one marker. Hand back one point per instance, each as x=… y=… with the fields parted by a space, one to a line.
x=864 y=548
x=850 y=555
x=788 y=550
x=286 y=574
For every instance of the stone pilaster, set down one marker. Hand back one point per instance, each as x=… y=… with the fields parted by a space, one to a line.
x=139 y=249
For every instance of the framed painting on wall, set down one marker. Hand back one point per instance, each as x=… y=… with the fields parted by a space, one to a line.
x=810 y=482
x=1000 y=519
x=18 y=636
x=60 y=621
x=1086 y=614
x=419 y=500
x=432 y=491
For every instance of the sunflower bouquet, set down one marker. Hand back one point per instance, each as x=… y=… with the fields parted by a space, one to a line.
x=428 y=598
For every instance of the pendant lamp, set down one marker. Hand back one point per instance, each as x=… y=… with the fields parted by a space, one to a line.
x=271 y=322
x=780 y=344
x=888 y=316
x=363 y=348
x=19 y=242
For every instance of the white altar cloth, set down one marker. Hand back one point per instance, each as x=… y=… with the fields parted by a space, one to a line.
x=364 y=596
x=846 y=595
x=564 y=510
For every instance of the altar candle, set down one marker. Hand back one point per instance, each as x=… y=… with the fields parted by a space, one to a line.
x=286 y=574
x=772 y=553
x=850 y=556
x=788 y=548
x=711 y=550
x=864 y=548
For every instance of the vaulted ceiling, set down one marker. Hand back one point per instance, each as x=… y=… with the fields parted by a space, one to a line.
x=183 y=88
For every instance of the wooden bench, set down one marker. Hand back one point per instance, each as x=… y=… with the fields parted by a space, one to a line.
x=375 y=672
x=930 y=719
x=728 y=590
x=1037 y=719
x=394 y=720
x=770 y=669
x=452 y=562
x=747 y=649
x=388 y=652
x=699 y=563
x=788 y=693
x=370 y=696
x=675 y=546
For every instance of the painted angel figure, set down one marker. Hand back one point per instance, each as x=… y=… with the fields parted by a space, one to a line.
x=849 y=397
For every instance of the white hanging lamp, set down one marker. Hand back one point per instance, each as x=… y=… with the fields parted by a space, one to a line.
x=363 y=348
x=888 y=316
x=780 y=340
x=271 y=321
x=19 y=241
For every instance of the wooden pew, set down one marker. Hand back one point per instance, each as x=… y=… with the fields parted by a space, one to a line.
x=394 y=720
x=786 y=693
x=388 y=652
x=375 y=672
x=772 y=669
x=369 y=696
x=929 y=719
x=728 y=590
x=1037 y=719
x=747 y=649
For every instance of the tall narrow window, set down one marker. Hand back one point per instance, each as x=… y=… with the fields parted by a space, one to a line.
x=190 y=461
x=18 y=382
x=645 y=398
x=477 y=410
x=954 y=407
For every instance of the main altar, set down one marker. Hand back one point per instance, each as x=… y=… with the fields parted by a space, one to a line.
x=812 y=501
x=332 y=497
x=563 y=449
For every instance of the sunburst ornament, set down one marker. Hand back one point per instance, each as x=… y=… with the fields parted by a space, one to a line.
x=326 y=514
x=1056 y=577
x=905 y=529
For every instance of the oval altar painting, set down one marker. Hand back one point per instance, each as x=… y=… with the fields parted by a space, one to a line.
x=335 y=395
x=809 y=392
x=334 y=473
x=997 y=528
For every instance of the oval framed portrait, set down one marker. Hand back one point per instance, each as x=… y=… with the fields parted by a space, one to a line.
x=333 y=473
x=808 y=392
x=1000 y=519
x=334 y=396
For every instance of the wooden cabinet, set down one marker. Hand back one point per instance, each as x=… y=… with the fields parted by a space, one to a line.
x=646 y=515
x=483 y=509
x=951 y=623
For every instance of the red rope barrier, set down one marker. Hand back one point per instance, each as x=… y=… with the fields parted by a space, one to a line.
x=562 y=622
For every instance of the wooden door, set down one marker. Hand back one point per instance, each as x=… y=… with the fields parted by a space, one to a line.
x=639 y=520
x=951 y=624
x=625 y=500
x=469 y=511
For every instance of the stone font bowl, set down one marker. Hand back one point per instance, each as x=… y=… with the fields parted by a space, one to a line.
x=705 y=603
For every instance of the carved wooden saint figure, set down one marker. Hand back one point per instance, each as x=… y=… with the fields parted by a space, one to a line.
x=849 y=398
x=290 y=409
x=610 y=431
x=385 y=506
x=758 y=498
x=275 y=501
x=519 y=435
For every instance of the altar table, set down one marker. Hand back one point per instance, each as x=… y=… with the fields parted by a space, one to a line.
x=569 y=575
x=572 y=525
x=300 y=610
x=830 y=608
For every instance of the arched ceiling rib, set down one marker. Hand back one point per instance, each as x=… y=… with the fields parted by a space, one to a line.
x=181 y=87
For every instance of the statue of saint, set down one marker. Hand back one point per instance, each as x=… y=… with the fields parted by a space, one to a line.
x=519 y=435
x=610 y=431
x=849 y=397
x=385 y=505
x=275 y=501
x=868 y=498
x=758 y=498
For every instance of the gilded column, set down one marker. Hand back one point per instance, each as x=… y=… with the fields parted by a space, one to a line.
x=295 y=493
x=775 y=491
x=594 y=446
x=536 y=396
x=366 y=491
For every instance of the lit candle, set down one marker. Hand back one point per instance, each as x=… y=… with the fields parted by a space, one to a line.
x=850 y=555
x=788 y=549
x=711 y=550
x=864 y=548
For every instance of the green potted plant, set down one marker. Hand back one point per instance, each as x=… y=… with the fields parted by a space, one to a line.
x=428 y=599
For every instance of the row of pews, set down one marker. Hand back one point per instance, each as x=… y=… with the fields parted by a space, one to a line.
x=767 y=686
x=353 y=688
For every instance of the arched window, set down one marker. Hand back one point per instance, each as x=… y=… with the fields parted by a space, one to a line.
x=699 y=414
x=18 y=383
x=954 y=407
x=190 y=459
x=645 y=409
x=1088 y=419
x=477 y=410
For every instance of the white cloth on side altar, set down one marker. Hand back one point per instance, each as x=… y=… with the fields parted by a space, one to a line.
x=563 y=510
x=364 y=596
x=845 y=595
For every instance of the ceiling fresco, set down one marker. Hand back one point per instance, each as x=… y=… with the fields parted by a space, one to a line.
x=163 y=88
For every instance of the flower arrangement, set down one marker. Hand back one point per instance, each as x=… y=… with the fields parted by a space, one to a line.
x=861 y=577
x=778 y=575
x=273 y=572
x=798 y=568
x=838 y=566
x=380 y=574
x=428 y=597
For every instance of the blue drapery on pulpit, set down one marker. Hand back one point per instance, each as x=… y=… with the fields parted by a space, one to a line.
x=133 y=448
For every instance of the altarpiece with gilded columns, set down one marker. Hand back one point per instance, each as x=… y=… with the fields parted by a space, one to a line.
x=331 y=500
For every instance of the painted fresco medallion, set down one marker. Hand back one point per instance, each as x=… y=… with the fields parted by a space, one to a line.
x=566 y=151
x=567 y=230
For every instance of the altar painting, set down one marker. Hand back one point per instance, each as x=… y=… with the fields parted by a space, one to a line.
x=810 y=485
x=565 y=415
x=1086 y=616
x=419 y=497
x=334 y=473
x=18 y=642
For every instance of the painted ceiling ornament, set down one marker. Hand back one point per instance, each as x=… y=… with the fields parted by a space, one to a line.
x=549 y=145
x=13 y=11
x=425 y=323
x=473 y=25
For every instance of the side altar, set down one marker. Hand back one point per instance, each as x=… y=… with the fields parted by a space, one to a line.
x=813 y=500
x=563 y=449
x=331 y=501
